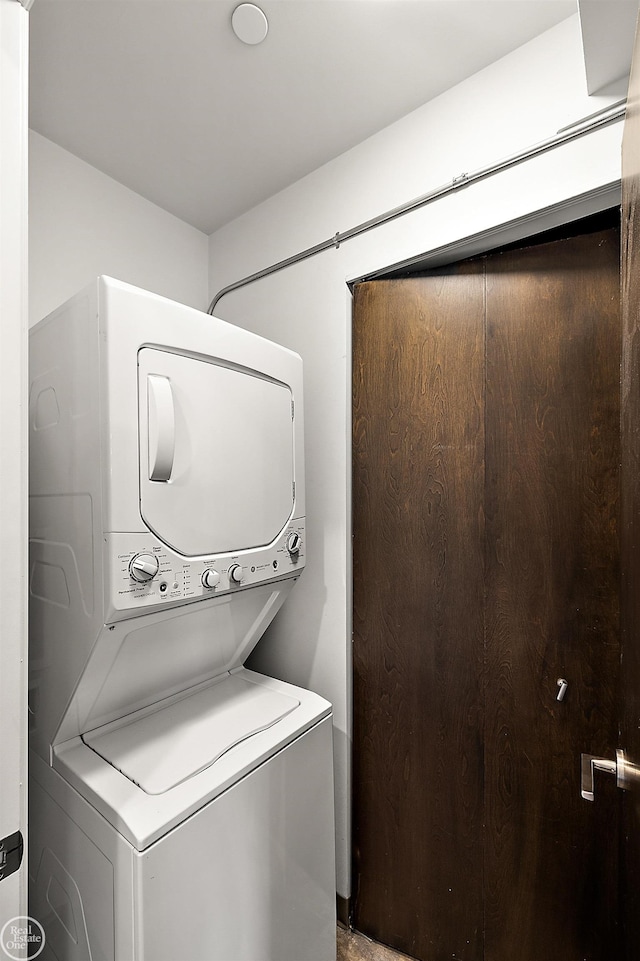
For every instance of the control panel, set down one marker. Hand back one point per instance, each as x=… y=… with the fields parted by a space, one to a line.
x=145 y=573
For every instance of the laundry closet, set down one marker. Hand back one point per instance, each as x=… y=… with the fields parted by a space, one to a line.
x=84 y=224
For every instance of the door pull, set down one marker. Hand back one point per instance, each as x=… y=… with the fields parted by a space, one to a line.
x=562 y=688
x=161 y=427
x=625 y=772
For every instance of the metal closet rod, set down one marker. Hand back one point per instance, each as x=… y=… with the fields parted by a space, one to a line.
x=600 y=119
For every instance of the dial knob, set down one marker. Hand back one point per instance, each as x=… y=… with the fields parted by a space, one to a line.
x=235 y=573
x=294 y=543
x=144 y=567
x=210 y=578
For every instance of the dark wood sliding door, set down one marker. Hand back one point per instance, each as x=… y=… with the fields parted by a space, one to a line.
x=418 y=612
x=485 y=488
x=552 y=596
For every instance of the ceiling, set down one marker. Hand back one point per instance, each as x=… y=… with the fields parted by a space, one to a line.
x=162 y=96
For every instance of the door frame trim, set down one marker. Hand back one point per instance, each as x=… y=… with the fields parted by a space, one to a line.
x=530 y=224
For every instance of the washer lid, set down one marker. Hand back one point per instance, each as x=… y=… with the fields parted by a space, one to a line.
x=160 y=750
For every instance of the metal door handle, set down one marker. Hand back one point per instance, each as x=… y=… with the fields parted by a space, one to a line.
x=562 y=688
x=624 y=770
x=589 y=764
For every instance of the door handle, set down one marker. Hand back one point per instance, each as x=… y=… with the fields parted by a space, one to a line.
x=625 y=772
x=162 y=427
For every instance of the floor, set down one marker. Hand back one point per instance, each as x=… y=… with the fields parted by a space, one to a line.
x=355 y=947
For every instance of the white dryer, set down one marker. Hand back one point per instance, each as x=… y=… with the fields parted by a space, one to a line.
x=181 y=806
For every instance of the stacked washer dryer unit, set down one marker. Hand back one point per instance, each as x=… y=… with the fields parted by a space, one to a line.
x=181 y=805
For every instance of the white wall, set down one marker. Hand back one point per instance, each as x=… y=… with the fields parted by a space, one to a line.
x=14 y=36
x=82 y=224
x=523 y=99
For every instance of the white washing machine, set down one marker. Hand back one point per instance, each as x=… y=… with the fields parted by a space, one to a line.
x=181 y=806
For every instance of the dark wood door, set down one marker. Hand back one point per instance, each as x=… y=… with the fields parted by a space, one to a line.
x=418 y=618
x=552 y=597
x=485 y=487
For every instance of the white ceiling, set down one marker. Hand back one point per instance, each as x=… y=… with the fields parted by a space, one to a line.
x=161 y=95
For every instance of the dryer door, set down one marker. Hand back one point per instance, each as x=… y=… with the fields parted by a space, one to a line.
x=216 y=453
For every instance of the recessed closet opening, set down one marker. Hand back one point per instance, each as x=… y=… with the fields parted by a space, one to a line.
x=486 y=453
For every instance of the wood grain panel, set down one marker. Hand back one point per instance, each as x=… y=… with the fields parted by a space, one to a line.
x=552 y=429
x=630 y=502
x=418 y=612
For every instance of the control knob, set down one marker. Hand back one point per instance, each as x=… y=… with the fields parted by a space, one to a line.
x=294 y=543
x=235 y=574
x=210 y=578
x=144 y=567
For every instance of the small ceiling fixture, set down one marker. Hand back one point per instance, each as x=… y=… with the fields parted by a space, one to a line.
x=249 y=23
